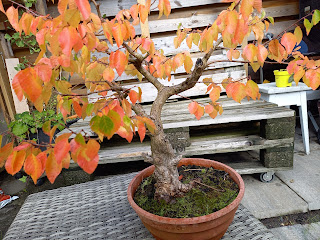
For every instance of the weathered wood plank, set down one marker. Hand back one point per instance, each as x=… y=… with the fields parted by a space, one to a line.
x=199 y=146
x=150 y=92
x=176 y=114
x=197 y=19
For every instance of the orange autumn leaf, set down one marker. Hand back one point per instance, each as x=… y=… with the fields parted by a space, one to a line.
x=199 y=113
x=108 y=74
x=88 y=157
x=68 y=38
x=44 y=72
x=237 y=91
x=1 y=7
x=33 y=167
x=250 y=52
x=134 y=96
x=12 y=14
x=117 y=34
x=141 y=130
x=252 y=90
x=28 y=81
x=215 y=94
x=5 y=151
x=143 y=12
x=246 y=8
x=188 y=63
x=289 y=41
x=193 y=107
x=120 y=61
x=262 y=54
x=15 y=162
x=84 y=8
x=53 y=168
x=164 y=7
x=62 y=147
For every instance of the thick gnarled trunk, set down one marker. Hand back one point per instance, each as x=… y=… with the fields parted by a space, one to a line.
x=166 y=173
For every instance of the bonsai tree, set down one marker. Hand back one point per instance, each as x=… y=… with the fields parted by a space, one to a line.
x=68 y=42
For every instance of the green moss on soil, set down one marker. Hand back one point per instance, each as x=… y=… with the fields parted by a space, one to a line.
x=201 y=200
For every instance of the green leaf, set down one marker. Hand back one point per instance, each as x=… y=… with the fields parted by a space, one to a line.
x=308 y=25
x=263 y=14
x=316 y=17
x=80 y=139
x=106 y=125
x=23 y=179
x=291 y=79
x=19 y=129
x=89 y=109
x=126 y=120
x=271 y=20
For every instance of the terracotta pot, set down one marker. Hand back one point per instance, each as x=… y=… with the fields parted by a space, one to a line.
x=212 y=226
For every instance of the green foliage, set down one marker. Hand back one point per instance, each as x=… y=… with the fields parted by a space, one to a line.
x=29 y=3
x=23 y=179
x=28 y=123
x=28 y=41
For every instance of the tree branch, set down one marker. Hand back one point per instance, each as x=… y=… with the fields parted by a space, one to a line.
x=199 y=67
x=137 y=62
x=97 y=6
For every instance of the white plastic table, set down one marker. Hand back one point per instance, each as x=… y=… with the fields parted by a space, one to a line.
x=294 y=95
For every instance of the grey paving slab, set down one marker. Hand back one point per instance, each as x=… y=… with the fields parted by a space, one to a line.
x=304 y=179
x=13 y=187
x=295 y=232
x=314 y=229
x=266 y=200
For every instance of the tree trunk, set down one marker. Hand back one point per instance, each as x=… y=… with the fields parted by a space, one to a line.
x=166 y=173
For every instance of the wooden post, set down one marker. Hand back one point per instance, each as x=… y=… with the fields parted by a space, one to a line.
x=22 y=106
x=5 y=87
x=145 y=32
x=41 y=7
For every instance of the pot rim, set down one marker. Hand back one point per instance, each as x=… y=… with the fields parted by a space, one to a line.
x=234 y=204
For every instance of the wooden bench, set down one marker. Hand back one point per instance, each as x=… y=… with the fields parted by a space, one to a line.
x=251 y=125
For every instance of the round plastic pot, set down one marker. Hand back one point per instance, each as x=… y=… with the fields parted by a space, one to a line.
x=282 y=78
x=212 y=226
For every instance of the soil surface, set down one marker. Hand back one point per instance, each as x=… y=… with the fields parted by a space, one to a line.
x=211 y=191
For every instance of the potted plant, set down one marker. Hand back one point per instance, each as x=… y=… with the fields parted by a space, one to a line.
x=71 y=37
x=28 y=125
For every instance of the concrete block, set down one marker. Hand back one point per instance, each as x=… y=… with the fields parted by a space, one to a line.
x=295 y=232
x=277 y=157
x=266 y=200
x=304 y=178
x=13 y=186
x=278 y=128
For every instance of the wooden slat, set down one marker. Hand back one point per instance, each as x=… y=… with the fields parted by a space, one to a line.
x=199 y=146
x=203 y=18
x=219 y=57
x=176 y=114
x=111 y=8
x=149 y=92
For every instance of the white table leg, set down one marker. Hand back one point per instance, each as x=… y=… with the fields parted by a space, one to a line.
x=304 y=122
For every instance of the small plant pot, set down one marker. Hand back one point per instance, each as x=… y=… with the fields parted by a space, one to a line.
x=208 y=227
x=282 y=78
